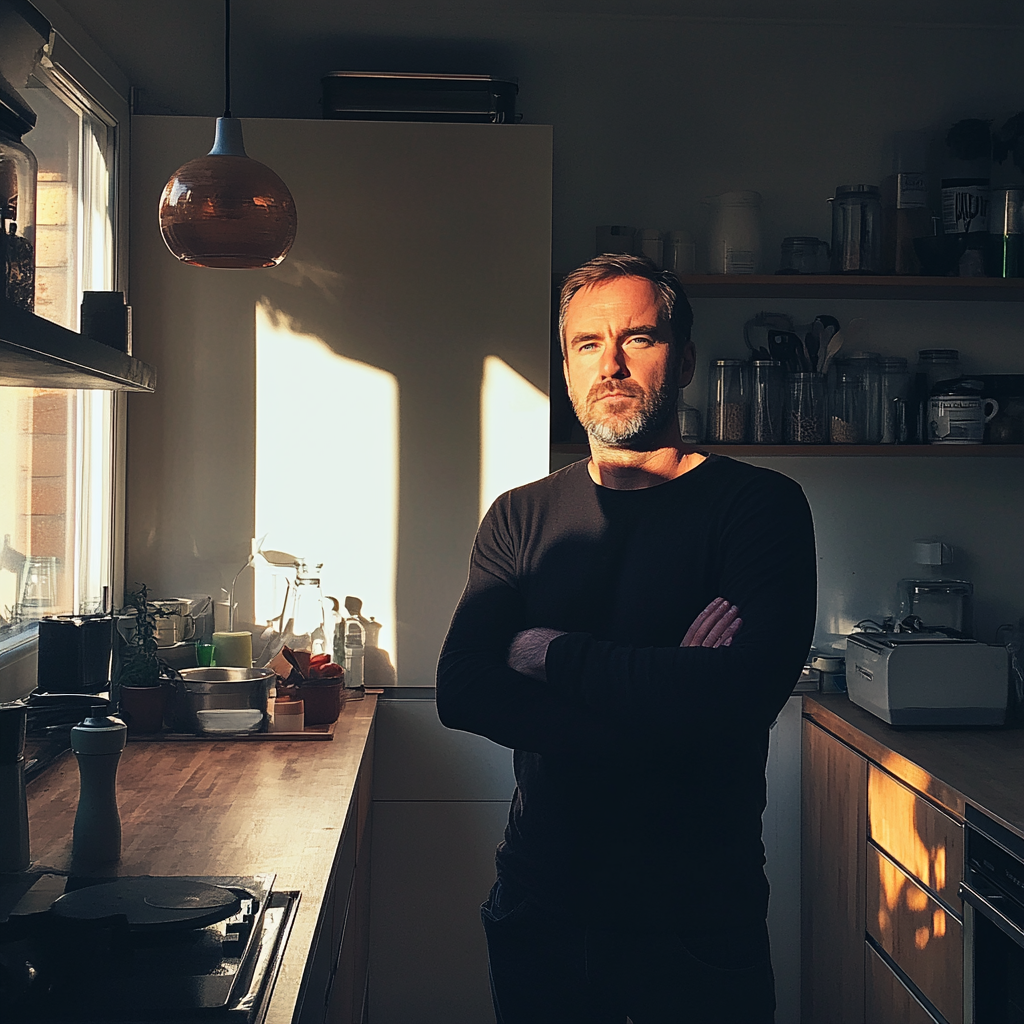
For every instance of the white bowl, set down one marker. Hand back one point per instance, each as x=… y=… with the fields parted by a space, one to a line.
x=224 y=720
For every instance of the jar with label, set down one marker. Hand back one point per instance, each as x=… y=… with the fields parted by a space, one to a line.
x=734 y=241
x=805 y=414
x=957 y=413
x=967 y=170
x=727 y=402
x=895 y=387
x=857 y=230
x=905 y=204
x=18 y=171
x=1006 y=232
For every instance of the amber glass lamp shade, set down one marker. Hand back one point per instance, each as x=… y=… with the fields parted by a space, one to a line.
x=225 y=210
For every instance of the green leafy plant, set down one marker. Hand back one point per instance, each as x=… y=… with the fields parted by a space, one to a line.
x=139 y=665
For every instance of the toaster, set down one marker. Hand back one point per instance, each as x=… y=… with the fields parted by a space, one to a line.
x=927 y=678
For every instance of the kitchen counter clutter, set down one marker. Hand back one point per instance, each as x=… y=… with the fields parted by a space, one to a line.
x=901 y=921
x=298 y=810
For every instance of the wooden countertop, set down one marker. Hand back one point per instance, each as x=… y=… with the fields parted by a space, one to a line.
x=983 y=767
x=224 y=808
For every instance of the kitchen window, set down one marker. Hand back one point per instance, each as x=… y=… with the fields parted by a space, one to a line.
x=57 y=471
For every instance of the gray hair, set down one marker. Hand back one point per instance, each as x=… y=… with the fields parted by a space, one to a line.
x=674 y=306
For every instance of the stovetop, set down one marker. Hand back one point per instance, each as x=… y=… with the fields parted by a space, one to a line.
x=56 y=969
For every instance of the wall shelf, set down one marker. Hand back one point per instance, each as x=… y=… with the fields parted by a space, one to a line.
x=829 y=451
x=36 y=353
x=815 y=286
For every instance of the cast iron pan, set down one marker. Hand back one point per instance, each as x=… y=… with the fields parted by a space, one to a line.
x=149 y=904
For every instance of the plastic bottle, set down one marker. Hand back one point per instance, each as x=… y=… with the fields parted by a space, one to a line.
x=97 y=743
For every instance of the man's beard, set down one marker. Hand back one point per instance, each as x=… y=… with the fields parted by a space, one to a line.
x=654 y=410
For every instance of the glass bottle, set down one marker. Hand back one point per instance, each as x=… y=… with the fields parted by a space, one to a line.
x=767 y=399
x=18 y=170
x=734 y=242
x=727 y=402
x=805 y=415
x=895 y=385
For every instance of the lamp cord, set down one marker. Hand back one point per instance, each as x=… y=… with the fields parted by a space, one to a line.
x=227 y=58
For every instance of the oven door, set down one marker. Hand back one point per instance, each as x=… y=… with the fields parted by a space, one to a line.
x=993 y=895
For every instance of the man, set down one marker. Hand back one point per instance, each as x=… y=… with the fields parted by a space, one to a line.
x=632 y=626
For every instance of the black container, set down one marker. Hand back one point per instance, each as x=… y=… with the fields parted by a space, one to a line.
x=397 y=96
x=106 y=319
x=74 y=653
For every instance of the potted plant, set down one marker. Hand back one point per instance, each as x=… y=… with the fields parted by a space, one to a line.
x=141 y=678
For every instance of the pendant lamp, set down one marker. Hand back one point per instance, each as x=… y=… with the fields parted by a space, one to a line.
x=226 y=210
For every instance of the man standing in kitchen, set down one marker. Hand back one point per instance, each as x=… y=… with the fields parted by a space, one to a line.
x=631 y=627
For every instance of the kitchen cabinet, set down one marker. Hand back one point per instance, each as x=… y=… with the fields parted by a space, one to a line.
x=905 y=841
x=834 y=831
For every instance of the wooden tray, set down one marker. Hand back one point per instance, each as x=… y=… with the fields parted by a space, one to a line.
x=311 y=732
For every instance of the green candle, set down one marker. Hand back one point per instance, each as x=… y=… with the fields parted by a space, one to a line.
x=232 y=650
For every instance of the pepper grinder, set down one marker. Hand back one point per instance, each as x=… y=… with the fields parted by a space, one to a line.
x=14 y=855
x=97 y=743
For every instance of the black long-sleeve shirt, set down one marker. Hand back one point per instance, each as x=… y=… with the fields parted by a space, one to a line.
x=639 y=763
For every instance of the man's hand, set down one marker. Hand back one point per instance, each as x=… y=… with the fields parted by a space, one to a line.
x=529 y=650
x=715 y=626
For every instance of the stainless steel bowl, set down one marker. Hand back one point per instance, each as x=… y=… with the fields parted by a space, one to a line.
x=213 y=689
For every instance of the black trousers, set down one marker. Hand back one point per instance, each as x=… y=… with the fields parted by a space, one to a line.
x=547 y=970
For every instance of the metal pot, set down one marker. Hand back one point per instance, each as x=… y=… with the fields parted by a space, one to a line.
x=208 y=689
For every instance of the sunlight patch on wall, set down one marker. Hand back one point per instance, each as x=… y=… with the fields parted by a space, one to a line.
x=326 y=469
x=513 y=431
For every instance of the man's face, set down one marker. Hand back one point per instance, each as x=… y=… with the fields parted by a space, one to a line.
x=618 y=365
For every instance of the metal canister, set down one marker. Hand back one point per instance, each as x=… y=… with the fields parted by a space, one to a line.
x=209 y=689
x=857 y=230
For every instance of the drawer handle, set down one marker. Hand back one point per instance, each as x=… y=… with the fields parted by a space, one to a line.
x=992 y=912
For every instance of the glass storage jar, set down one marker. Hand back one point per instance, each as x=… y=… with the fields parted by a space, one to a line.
x=727 y=402
x=895 y=386
x=855 y=402
x=805 y=416
x=17 y=215
x=857 y=230
x=767 y=399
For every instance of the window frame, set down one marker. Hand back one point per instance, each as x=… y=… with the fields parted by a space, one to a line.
x=106 y=95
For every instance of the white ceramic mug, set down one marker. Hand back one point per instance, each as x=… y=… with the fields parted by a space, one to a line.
x=959 y=419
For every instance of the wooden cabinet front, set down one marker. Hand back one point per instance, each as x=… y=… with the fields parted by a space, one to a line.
x=886 y=999
x=923 y=939
x=832 y=890
x=923 y=840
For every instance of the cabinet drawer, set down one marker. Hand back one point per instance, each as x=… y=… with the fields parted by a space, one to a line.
x=922 y=938
x=886 y=999
x=916 y=834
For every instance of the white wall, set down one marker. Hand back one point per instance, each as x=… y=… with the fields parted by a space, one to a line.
x=421 y=250
x=651 y=113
